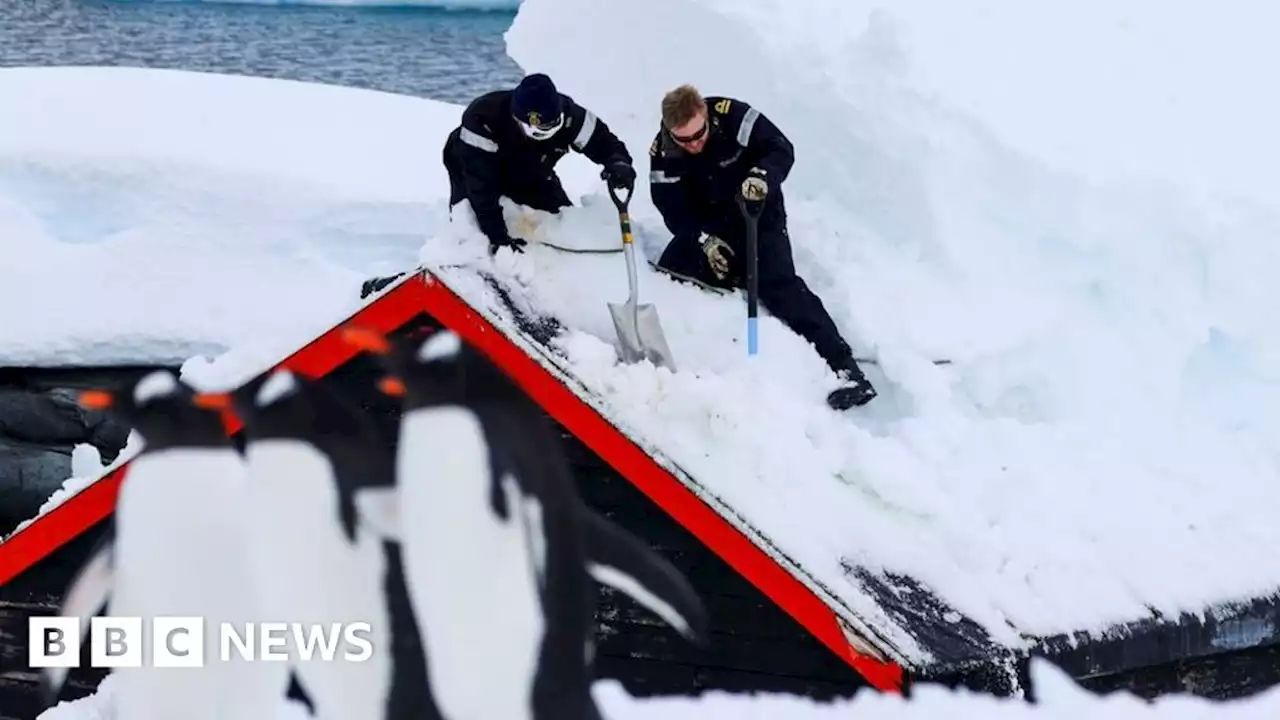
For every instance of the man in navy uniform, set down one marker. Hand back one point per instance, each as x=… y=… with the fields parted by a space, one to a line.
x=508 y=145
x=707 y=153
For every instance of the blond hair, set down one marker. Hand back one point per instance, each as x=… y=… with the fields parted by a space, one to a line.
x=681 y=105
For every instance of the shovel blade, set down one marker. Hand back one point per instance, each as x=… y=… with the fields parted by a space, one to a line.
x=640 y=335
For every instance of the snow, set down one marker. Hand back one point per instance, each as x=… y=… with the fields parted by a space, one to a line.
x=1108 y=423
x=86 y=460
x=83 y=474
x=1104 y=443
x=1058 y=697
x=234 y=190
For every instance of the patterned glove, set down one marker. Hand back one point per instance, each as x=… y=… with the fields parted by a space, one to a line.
x=718 y=253
x=754 y=188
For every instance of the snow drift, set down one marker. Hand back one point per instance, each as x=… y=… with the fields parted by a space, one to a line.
x=148 y=217
x=1112 y=417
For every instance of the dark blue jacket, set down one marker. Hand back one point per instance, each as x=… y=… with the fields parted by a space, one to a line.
x=696 y=193
x=493 y=154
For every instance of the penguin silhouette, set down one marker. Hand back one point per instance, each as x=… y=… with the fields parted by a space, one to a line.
x=313 y=456
x=499 y=549
x=178 y=547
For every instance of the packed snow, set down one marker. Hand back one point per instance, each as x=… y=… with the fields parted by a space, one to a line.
x=1110 y=421
x=1059 y=697
x=157 y=219
x=1104 y=443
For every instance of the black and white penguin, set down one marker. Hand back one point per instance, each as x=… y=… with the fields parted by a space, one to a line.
x=499 y=549
x=313 y=456
x=178 y=548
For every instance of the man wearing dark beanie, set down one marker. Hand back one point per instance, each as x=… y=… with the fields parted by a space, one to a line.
x=508 y=145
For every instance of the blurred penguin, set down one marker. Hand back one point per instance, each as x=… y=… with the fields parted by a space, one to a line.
x=178 y=547
x=499 y=550
x=313 y=455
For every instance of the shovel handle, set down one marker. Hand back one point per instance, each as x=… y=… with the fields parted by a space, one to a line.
x=751 y=209
x=624 y=217
x=751 y=216
x=620 y=202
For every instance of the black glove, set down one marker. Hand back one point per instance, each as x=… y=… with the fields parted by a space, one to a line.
x=619 y=174
x=516 y=244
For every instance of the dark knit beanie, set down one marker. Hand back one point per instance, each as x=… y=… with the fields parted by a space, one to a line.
x=536 y=100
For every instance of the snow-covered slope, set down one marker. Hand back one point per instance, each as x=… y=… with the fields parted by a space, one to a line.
x=1058 y=697
x=155 y=215
x=1108 y=437
x=152 y=215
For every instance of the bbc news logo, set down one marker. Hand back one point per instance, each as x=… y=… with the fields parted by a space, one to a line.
x=177 y=642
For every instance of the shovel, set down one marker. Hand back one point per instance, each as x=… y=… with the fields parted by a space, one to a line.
x=639 y=331
x=751 y=217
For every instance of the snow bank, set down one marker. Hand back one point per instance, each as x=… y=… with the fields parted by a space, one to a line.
x=1134 y=88
x=1109 y=434
x=153 y=215
x=1059 y=697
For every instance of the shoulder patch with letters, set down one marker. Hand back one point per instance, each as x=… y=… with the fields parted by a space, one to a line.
x=722 y=106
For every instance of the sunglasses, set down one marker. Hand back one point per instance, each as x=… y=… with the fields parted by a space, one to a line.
x=695 y=137
x=542 y=129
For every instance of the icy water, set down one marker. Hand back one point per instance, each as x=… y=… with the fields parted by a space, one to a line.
x=446 y=55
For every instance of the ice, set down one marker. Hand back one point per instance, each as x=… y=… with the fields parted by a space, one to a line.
x=1058 y=697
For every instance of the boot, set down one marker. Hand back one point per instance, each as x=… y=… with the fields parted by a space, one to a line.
x=854 y=391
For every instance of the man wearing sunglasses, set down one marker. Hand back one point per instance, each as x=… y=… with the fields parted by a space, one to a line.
x=508 y=145
x=708 y=151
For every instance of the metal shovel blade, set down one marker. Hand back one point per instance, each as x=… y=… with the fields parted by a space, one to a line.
x=640 y=334
x=639 y=331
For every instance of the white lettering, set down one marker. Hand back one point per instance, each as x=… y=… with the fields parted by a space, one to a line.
x=359 y=640
x=328 y=645
x=268 y=633
x=230 y=635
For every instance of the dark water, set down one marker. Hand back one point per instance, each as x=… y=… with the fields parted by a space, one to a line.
x=446 y=55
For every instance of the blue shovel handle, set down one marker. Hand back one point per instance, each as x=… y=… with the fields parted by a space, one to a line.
x=750 y=216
